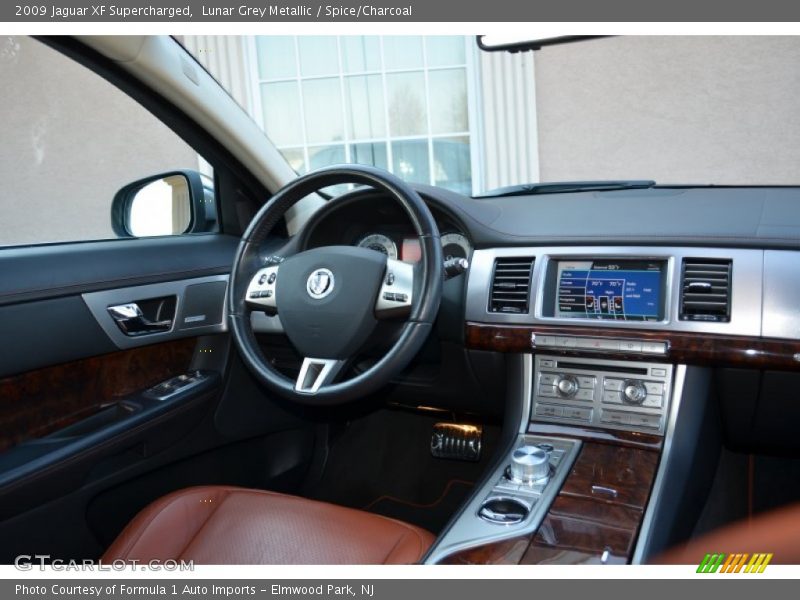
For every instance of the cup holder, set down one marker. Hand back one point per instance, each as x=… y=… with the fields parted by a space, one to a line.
x=503 y=511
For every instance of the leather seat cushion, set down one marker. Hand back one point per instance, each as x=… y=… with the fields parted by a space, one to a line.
x=229 y=525
x=776 y=532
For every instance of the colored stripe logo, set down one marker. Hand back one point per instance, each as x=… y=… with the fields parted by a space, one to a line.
x=734 y=563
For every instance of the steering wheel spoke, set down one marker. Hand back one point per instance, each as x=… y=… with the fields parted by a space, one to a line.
x=316 y=372
x=397 y=290
x=262 y=289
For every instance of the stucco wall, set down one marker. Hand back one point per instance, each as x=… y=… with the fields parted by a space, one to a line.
x=673 y=109
x=70 y=140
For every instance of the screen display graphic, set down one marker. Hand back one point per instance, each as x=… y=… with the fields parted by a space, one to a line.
x=623 y=290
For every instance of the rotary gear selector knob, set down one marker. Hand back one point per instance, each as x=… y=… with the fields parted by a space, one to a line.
x=529 y=464
x=633 y=392
x=567 y=386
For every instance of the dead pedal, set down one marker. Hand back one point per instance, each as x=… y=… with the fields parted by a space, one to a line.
x=455 y=441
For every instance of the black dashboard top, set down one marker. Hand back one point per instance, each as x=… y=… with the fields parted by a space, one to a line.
x=708 y=216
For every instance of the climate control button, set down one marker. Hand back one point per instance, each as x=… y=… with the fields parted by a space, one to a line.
x=567 y=386
x=633 y=392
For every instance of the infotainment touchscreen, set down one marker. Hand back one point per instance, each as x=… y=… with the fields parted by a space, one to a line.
x=625 y=290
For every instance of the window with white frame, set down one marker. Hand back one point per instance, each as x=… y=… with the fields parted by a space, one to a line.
x=396 y=102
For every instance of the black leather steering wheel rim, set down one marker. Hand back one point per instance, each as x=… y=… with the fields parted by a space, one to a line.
x=424 y=308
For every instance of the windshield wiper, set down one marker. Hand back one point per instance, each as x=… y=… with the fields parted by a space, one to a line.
x=556 y=187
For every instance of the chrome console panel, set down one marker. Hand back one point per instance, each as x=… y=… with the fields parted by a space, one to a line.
x=746 y=286
x=598 y=390
x=476 y=526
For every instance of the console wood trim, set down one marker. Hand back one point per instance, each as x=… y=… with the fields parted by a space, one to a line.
x=45 y=400
x=585 y=520
x=686 y=348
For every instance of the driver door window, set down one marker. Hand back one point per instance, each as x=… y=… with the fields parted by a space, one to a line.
x=71 y=141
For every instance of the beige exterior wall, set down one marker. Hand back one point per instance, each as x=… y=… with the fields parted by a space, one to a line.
x=673 y=109
x=70 y=141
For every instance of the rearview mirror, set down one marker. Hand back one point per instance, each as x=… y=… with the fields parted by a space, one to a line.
x=165 y=204
x=513 y=43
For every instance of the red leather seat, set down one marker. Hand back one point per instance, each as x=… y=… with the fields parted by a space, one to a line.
x=776 y=532
x=229 y=525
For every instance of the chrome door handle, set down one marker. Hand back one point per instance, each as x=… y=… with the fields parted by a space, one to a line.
x=131 y=320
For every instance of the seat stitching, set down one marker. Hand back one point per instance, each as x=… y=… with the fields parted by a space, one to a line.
x=420 y=544
x=392 y=549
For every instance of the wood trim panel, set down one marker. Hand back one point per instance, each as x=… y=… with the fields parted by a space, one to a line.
x=39 y=402
x=599 y=508
x=580 y=530
x=684 y=347
x=612 y=474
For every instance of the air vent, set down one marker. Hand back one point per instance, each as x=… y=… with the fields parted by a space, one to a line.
x=706 y=290
x=511 y=285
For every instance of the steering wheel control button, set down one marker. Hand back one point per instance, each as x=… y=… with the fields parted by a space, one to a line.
x=395 y=296
x=272 y=277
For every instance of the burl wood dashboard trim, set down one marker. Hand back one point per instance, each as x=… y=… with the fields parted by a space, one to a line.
x=39 y=402
x=684 y=347
x=595 y=517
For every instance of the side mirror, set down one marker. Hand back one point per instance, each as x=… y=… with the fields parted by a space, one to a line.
x=165 y=204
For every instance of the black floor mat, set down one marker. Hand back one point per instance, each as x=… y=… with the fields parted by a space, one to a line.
x=382 y=463
x=431 y=516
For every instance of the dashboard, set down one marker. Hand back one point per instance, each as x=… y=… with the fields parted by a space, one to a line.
x=628 y=343
x=378 y=223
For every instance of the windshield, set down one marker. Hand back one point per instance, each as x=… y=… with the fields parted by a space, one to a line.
x=438 y=110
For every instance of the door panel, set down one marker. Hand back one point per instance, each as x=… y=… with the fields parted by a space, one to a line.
x=55 y=270
x=87 y=431
x=40 y=402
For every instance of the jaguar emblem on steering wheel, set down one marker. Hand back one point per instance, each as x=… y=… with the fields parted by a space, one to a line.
x=320 y=283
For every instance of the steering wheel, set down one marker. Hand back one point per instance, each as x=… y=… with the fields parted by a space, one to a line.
x=330 y=299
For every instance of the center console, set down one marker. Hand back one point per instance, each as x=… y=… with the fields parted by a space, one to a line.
x=604 y=334
x=515 y=500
